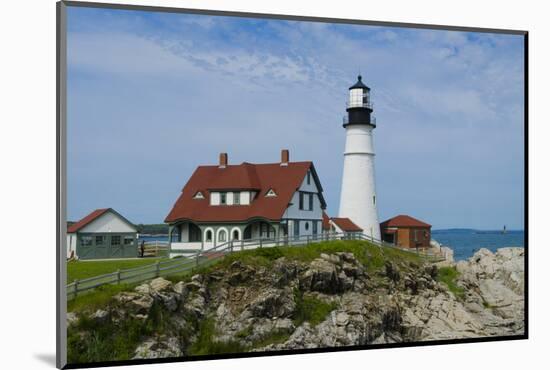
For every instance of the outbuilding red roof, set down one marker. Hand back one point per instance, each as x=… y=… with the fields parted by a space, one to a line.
x=94 y=216
x=86 y=220
x=285 y=180
x=404 y=221
x=346 y=224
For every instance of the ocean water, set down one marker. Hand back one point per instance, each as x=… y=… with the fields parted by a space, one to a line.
x=465 y=242
x=151 y=238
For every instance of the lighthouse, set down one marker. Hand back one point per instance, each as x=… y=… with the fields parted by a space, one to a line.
x=358 y=193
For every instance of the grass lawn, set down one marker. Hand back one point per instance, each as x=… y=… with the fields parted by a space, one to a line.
x=86 y=269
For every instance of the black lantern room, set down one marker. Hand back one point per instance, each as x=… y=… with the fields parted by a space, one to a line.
x=359 y=106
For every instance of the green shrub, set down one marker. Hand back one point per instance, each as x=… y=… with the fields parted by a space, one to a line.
x=205 y=344
x=89 y=341
x=448 y=276
x=274 y=337
x=310 y=309
x=245 y=332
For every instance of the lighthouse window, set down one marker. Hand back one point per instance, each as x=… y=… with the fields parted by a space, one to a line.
x=374 y=199
x=356 y=97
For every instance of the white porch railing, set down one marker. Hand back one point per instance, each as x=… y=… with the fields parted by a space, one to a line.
x=202 y=257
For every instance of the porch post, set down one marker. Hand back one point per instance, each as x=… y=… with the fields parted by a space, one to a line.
x=170 y=228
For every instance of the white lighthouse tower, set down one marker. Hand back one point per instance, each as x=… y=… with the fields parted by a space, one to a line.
x=358 y=196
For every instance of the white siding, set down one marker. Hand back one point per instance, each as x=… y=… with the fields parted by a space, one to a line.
x=229 y=198
x=108 y=223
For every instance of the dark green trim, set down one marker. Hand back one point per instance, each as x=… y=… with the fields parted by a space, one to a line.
x=106 y=250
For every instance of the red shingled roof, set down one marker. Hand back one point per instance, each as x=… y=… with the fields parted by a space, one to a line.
x=346 y=224
x=86 y=220
x=403 y=221
x=326 y=221
x=246 y=176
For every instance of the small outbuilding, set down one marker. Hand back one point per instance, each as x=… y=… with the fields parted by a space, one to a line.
x=340 y=225
x=104 y=233
x=406 y=231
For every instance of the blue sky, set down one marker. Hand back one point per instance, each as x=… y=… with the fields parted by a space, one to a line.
x=153 y=95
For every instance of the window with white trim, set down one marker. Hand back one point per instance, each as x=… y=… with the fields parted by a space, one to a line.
x=86 y=241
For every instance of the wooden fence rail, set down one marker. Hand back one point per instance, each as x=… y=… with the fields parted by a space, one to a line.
x=200 y=258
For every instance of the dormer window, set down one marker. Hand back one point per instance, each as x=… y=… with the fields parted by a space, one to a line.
x=198 y=195
x=223 y=198
x=270 y=193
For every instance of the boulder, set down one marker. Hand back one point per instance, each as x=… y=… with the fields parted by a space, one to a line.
x=392 y=272
x=328 y=275
x=273 y=303
x=100 y=316
x=160 y=347
x=160 y=285
x=341 y=319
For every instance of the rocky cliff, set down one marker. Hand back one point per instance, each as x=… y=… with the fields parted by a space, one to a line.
x=325 y=300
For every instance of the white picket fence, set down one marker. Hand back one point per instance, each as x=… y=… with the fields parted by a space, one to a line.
x=202 y=257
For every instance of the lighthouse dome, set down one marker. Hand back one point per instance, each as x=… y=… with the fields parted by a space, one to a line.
x=359 y=84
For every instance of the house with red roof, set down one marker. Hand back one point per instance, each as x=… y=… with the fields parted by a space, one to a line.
x=340 y=225
x=104 y=233
x=246 y=201
x=406 y=231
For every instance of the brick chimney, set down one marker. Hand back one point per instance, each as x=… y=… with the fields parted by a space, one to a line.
x=285 y=156
x=223 y=160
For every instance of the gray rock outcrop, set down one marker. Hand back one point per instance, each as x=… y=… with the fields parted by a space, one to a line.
x=263 y=308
